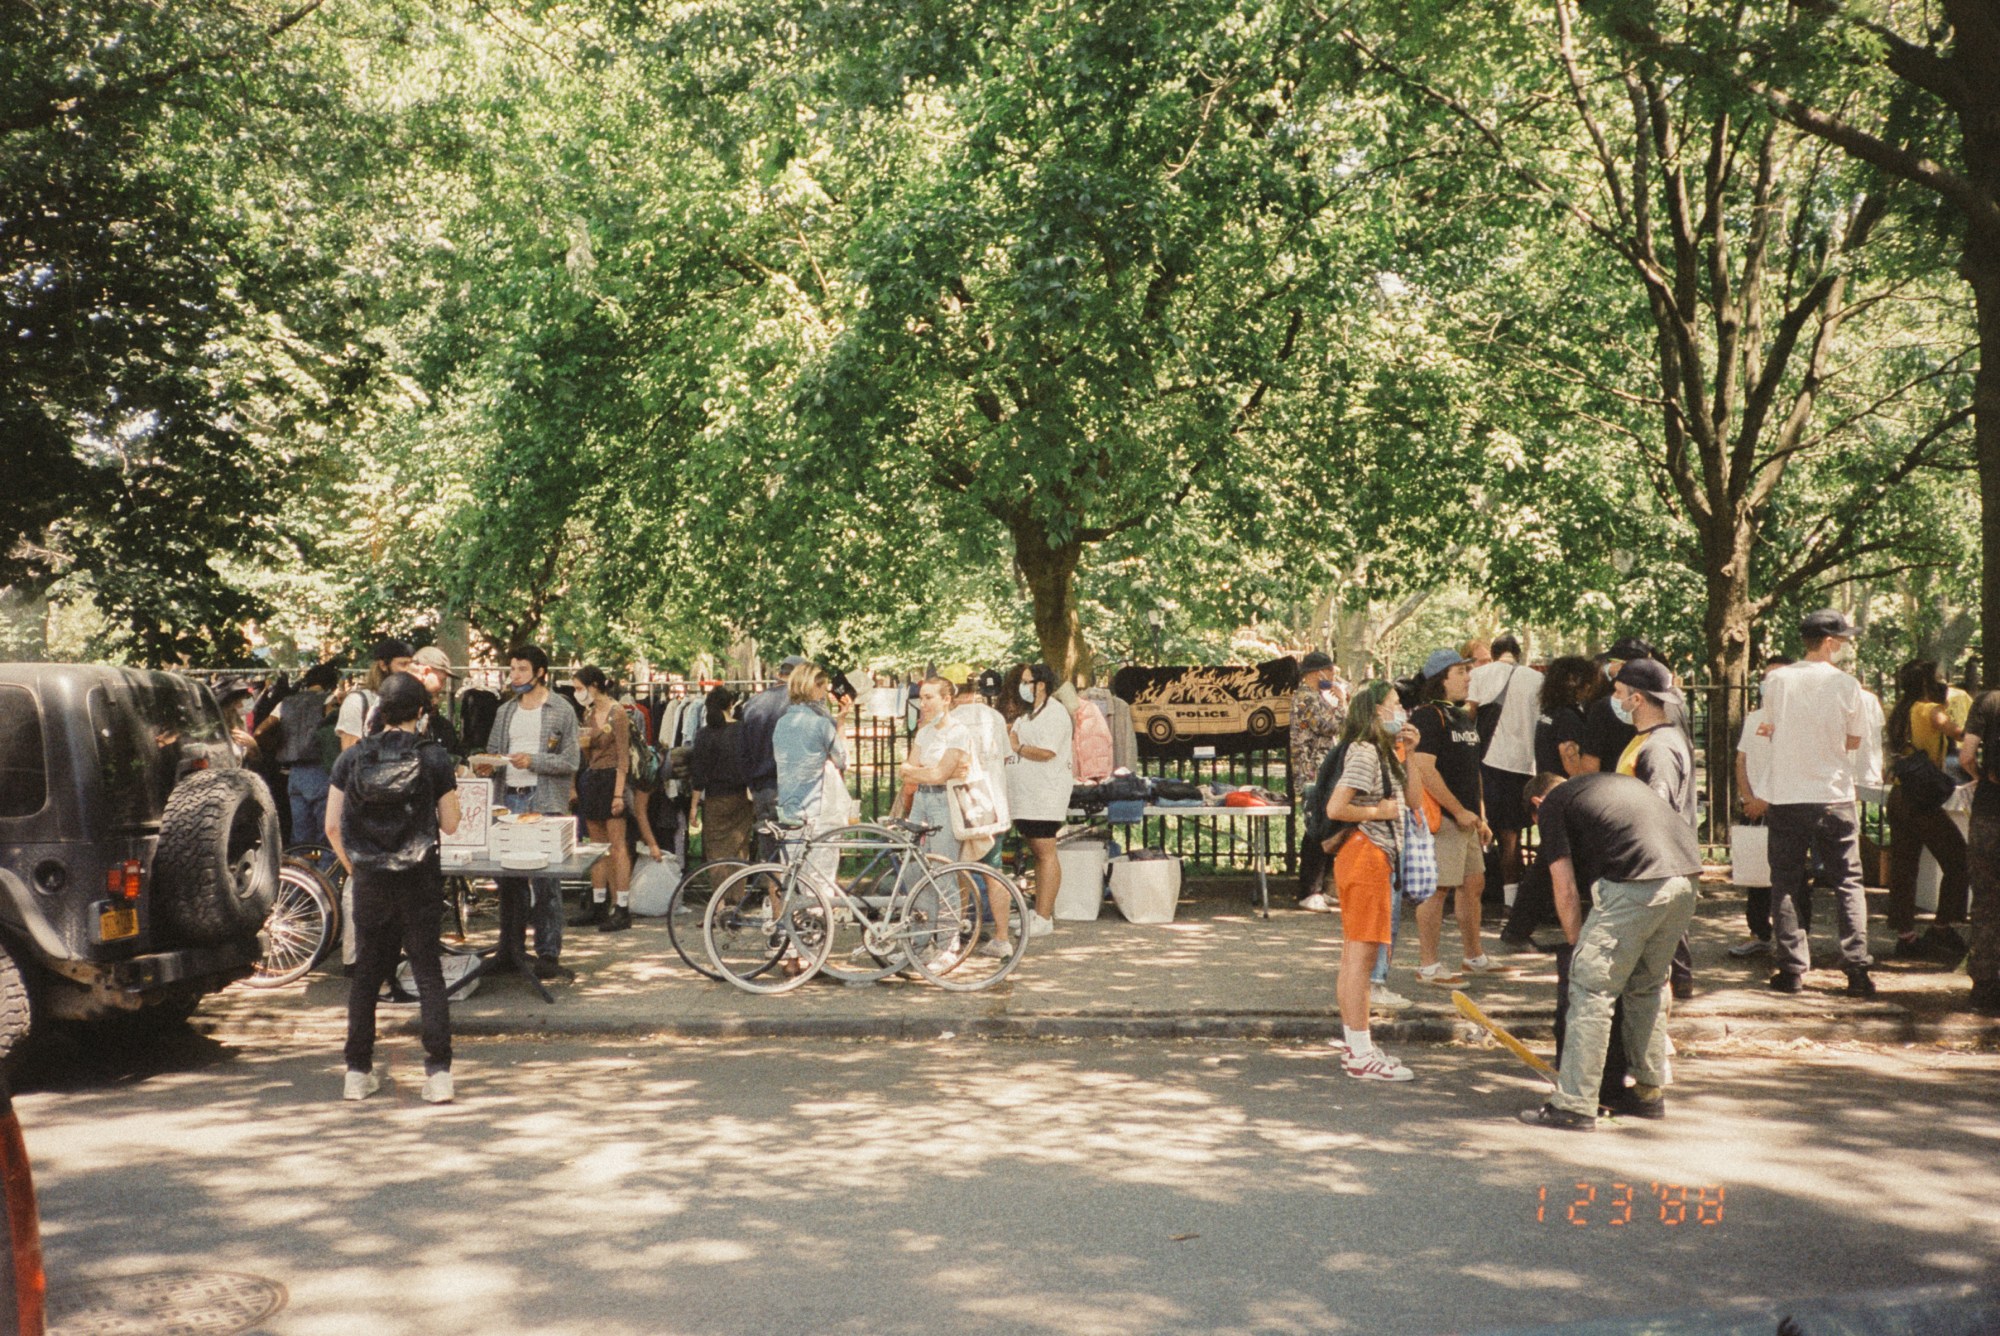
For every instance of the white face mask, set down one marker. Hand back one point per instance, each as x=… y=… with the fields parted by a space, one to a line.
x=1027 y=690
x=1394 y=724
x=584 y=697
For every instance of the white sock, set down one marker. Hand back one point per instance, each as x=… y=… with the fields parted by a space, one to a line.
x=1358 y=1042
x=1508 y=891
x=624 y=899
x=598 y=893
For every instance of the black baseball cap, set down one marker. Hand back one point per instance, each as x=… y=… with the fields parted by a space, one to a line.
x=1827 y=622
x=1632 y=647
x=390 y=649
x=1652 y=677
x=1313 y=661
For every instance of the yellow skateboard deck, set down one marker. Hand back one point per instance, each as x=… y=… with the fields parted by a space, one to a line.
x=1470 y=1010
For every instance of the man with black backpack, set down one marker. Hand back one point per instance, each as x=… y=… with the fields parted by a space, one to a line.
x=392 y=793
x=1979 y=754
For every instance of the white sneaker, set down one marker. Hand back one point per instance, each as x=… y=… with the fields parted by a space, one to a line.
x=1378 y=996
x=1039 y=926
x=1316 y=903
x=995 y=948
x=1437 y=976
x=1482 y=964
x=360 y=1085
x=437 y=1088
x=1376 y=1065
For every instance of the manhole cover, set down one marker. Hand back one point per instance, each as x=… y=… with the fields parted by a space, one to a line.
x=166 y=1303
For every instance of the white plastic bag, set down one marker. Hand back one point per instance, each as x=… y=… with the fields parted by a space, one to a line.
x=653 y=882
x=1750 y=855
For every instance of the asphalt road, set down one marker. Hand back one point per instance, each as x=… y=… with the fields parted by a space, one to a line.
x=1091 y=1189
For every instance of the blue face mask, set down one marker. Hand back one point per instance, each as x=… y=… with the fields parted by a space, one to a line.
x=1396 y=723
x=521 y=689
x=1619 y=708
x=1027 y=690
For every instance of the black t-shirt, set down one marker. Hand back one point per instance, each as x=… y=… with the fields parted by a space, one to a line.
x=1665 y=764
x=1603 y=736
x=1451 y=737
x=1551 y=731
x=394 y=840
x=1614 y=826
x=1983 y=721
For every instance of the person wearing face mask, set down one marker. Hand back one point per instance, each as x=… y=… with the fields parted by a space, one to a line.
x=1815 y=719
x=1039 y=777
x=388 y=656
x=1445 y=765
x=1317 y=716
x=1659 y=757
x=1605 y=736
x=538 y=732
x=604 y=741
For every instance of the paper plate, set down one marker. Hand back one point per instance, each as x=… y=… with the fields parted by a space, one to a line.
x=524 y=862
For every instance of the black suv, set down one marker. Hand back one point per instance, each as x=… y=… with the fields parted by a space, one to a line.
x=137 y=858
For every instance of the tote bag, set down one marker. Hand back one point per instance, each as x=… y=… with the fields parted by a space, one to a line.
x=975 y=811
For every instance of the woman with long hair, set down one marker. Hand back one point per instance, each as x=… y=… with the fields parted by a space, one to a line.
x=605 y=740
x=1569 y=685
x=1920 y=724
x=1369 y=797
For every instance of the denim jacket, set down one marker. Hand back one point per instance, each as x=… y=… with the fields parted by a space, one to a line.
x=554 y=762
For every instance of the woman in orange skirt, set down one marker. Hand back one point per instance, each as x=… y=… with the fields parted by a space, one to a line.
x=1368 y=802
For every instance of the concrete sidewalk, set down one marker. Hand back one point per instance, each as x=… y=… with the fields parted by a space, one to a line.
x=1219 y=970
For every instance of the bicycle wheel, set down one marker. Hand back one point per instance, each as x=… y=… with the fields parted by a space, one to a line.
x=865 y=946
x=301 y=928
x=761 y=916
x=689 y=906
x=968 y=926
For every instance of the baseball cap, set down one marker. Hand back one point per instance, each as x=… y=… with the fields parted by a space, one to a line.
x=1652 y=677
x=792 y=661
x=958 y=674
x=1827 y=622
x=430 y=656
x=1316 y=659
x=1441 y=662
x=1632 y=647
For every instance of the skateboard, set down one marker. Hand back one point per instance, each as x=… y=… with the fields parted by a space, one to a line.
x=1470 y=1010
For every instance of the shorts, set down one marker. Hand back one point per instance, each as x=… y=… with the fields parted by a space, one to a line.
x=1506 y=798
x=594 y=789
x=1460 y=859
x=1037 y=830
x=1366 y=889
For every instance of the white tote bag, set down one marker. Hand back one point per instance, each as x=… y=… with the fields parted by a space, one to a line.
x=1750 y=855
x=975 y=811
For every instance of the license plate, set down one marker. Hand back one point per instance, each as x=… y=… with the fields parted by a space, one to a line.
x=115 y=923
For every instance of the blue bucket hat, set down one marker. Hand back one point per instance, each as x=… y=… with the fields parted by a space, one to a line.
x=1441 y=662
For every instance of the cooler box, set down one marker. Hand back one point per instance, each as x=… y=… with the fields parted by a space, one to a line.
x=1146 y=890
x=1082 y=893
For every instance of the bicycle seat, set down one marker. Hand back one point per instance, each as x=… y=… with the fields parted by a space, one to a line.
x=783 y=827
x=917 y=828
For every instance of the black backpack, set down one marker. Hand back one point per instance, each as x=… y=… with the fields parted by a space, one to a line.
x=1319 y=826
x=391 y=821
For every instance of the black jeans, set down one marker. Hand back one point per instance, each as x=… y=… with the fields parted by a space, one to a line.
x=1911 y=831
x=1616 y=1063
x=397 y=913
x=1534 y=904
x=1799 y=831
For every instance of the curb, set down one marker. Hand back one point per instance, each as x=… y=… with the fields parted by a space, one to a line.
x=1281 y=1027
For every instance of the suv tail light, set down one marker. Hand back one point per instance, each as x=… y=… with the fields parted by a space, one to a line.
x=122 y=881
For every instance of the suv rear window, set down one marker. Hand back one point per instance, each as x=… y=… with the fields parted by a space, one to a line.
x=24 y=779
x=149 y=728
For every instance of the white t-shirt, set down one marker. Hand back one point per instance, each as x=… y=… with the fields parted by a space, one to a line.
x=1039 y=790
x=949 y=733
x=1868 y=765
x=1812 y=709
x=354 y=710
x=1513 y=748
x=1756 y=749
x=524 y=735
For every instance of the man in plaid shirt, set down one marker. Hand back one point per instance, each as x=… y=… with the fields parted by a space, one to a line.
x=1318 y=711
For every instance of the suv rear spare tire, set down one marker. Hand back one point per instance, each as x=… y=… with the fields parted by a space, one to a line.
x=216 y=870
x=17 y=1005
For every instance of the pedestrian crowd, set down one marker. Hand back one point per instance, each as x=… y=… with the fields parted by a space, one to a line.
x=1423 y=791
x=1425 y=788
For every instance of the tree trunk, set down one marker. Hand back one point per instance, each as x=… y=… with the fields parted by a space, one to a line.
x=1050 y=572
x=1726 y=632
x=1982 y=270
